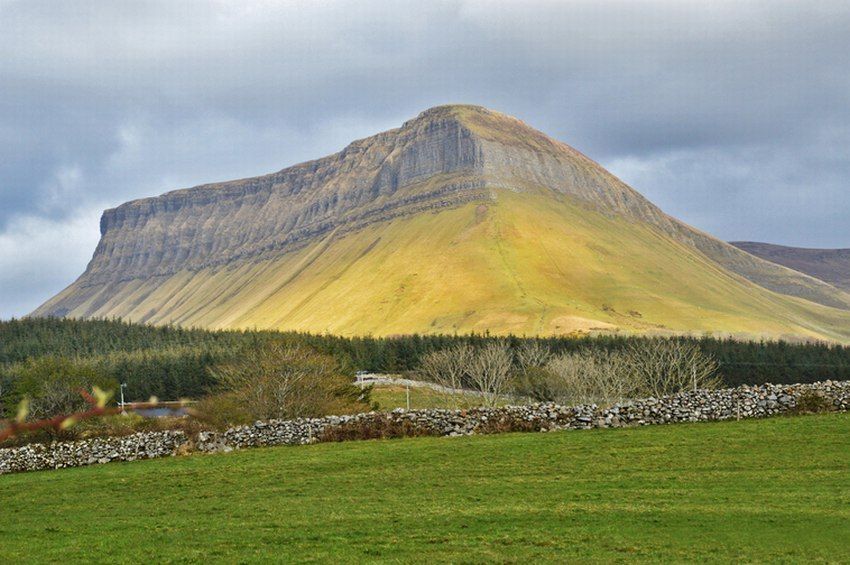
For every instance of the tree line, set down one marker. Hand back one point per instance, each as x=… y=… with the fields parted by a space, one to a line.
x=172 y=362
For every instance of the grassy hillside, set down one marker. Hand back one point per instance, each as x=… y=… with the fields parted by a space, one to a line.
x=751 y=491
x=527 y=264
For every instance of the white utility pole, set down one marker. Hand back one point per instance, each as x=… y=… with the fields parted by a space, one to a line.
x=123 y=386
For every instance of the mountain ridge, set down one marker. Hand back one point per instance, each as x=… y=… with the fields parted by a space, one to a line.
x=829 y=265
x=448 y=157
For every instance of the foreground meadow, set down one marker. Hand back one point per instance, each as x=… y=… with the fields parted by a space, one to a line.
x=769 y=490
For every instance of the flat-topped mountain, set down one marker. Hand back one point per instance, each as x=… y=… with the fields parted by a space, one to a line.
x=461 y=219
x=829 y=265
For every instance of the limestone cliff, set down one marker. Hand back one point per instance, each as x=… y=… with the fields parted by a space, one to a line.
x=446 y=158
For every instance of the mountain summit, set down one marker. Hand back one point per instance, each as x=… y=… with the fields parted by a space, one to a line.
x=462 y=219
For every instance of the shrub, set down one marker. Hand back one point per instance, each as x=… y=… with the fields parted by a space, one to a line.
x=378 y=427
x=811 y=402
x=506 y=424
x=536 y=384
x=220 y=411
x=131 y=423
x=54 y=384
x=279 y=380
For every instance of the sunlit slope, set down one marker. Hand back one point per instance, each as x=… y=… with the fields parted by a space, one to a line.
x=463 y=218
x=525 y=263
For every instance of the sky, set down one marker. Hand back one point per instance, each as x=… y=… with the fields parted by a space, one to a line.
x=732 y=116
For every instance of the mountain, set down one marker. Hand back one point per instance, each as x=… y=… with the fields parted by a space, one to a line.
x=829 y=265
x=463 y=219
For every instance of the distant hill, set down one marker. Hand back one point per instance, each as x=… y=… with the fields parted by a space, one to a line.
x=828 y=265
x=463 y=219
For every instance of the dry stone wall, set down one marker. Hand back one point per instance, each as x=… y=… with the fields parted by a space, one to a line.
x=696 y=406
x=59 y=455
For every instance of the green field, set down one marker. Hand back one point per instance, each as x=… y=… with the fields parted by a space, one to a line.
x=770 y=490
x=390 y=397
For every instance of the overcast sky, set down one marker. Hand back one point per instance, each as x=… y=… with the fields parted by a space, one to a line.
x=733 y=116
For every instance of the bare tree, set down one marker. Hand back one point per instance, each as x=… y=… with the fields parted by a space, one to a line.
x=565 y=379
x=490 y=372
x=612 y=383
x=664 y=367
x=449 y=368
x=531 y=354
x=56 y=397
x=53 y=385
x=588 y=377
x=647 y=368
x=470 y=376
x=530 y=379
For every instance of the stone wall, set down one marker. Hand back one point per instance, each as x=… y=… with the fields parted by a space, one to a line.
x=726 y=404
x=58 y=455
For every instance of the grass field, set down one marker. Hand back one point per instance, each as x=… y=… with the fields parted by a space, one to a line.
x=770 y=490
x=390 y=397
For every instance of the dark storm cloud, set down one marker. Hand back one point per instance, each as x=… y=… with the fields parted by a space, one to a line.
x=731 y=115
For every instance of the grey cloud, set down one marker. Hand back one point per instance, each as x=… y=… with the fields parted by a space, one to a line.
x=757 y=192
x=39 y=257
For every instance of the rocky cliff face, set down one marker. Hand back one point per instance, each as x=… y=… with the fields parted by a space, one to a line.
x=446 y=157
x=429 y=162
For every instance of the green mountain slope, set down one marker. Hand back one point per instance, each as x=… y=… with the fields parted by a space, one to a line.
x=524 y=263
